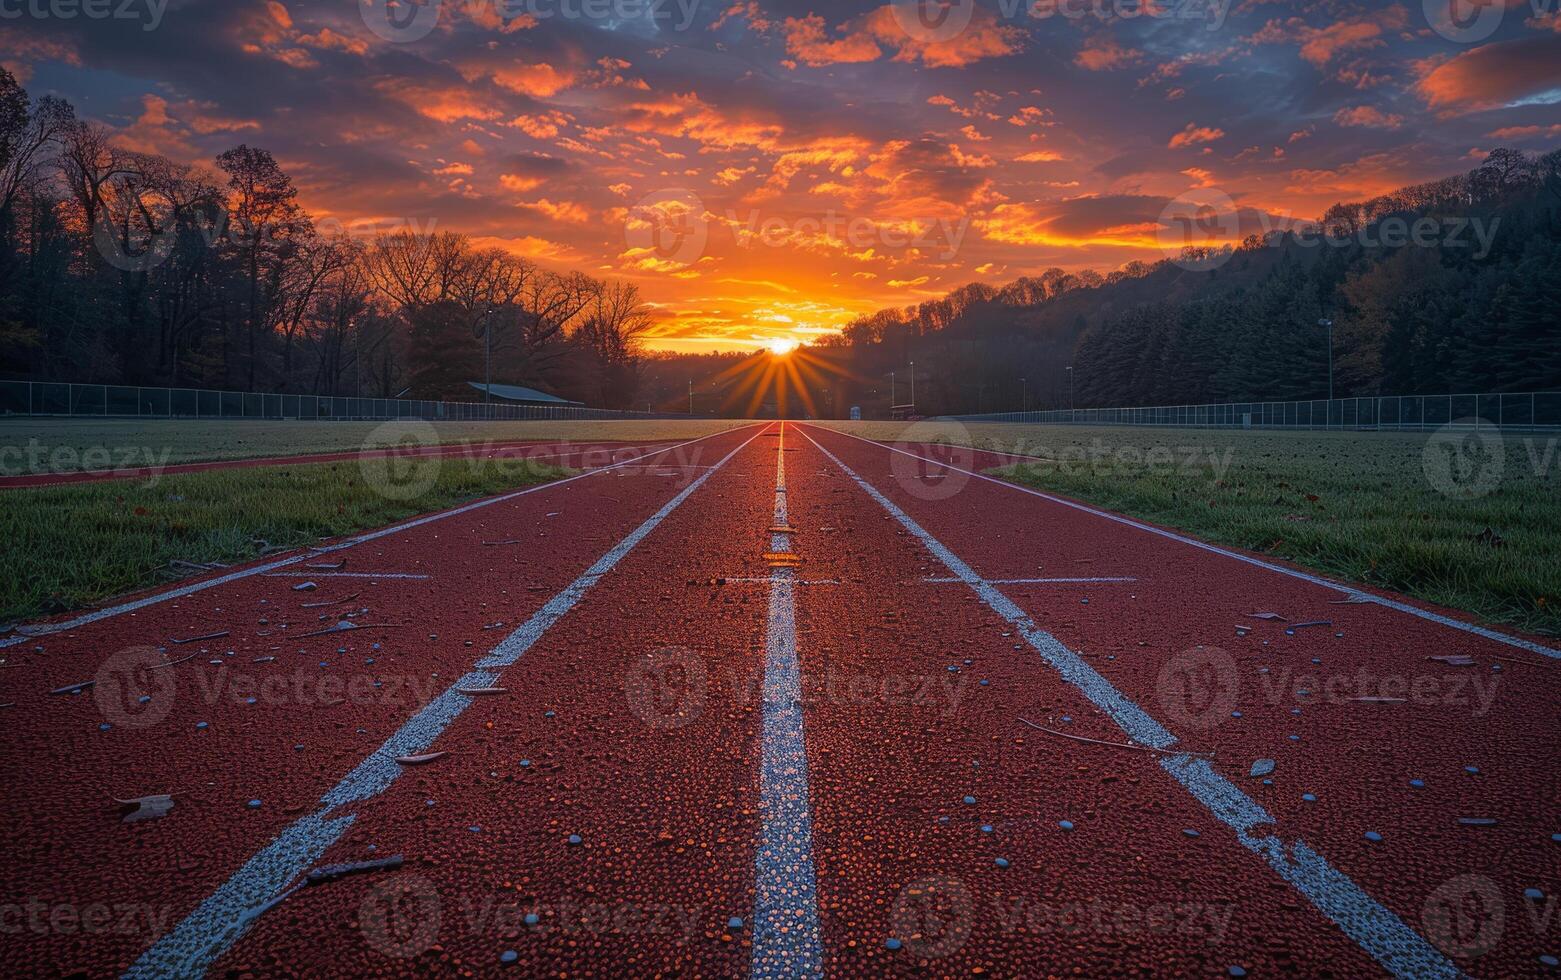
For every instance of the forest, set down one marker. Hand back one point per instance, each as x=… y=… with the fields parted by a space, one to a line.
x=129 y=268
x=1444 y=287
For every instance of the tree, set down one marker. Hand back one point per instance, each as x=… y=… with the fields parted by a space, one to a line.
x=444 y=357
x=264 y=224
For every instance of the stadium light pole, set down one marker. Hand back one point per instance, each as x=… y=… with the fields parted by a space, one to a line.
x=1024 y=395
x=913 y=384
x=1071 y=412
x=487 y=357
x=1327 y=324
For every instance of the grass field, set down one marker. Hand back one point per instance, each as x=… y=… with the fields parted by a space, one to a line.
x=69 y=445
x=1466 y=524
x=75 y=545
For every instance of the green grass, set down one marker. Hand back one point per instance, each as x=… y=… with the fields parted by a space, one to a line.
x=1363 y=507
x=74 y=545
x=59 y=445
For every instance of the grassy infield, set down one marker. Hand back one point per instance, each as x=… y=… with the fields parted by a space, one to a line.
x=73 y=545
x=1358 y=506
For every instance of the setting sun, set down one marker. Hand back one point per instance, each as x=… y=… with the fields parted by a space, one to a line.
x=781 y=346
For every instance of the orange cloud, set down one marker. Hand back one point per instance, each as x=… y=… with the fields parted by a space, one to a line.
x=1193 y=134
x=1368 y=117
x=1103 y=53
x=808 y=40
x=1493 y=75
x=1320 y=45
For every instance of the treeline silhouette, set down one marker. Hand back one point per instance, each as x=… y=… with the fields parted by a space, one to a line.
x=129 y=268
x=1449 y=286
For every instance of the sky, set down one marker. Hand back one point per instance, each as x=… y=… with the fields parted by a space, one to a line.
x=766 y=170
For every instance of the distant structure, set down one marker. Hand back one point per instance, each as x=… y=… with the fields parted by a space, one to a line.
x=520 y=395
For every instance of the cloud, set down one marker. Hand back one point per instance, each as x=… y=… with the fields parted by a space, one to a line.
x=1193 y=134
x=863 y=39
x=1321 y=45
x=1103 y=53
x=808 y=40
x=1493 y=75
x=1367 y=117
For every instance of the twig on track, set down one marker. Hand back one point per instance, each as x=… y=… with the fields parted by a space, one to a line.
x=1531 y=663
x=198 y=639
x=1116 y=745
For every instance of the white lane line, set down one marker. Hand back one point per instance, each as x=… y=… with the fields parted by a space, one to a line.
x=786 y=939
x=1034 y=581
x=408 y=575
x=191 y=947
x=48 y=629
x=1397 y=947
x=1353 y=592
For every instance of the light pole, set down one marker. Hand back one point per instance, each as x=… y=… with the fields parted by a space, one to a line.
x=913 y=385
x=1071 y=414
x=487 y=357
x=891 y=391
x=1328 y=325
x=1024 y=396
x=691 y=396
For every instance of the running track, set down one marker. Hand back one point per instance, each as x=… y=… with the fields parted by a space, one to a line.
x=705 y=757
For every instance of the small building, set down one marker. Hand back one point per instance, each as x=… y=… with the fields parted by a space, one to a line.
x=521 y=395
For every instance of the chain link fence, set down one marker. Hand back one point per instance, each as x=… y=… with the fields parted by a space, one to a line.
x=40 y=398
x=1528 y=410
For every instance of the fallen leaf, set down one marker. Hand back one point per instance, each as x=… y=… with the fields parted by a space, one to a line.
x=145 y=808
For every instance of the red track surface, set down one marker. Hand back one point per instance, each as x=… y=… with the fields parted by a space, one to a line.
x=543 y=451
x=639 y=713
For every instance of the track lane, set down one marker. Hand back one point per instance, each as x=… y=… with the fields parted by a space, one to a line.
x=637 y=717
x=166 y=865
x=1145 y=638
x=900 y=740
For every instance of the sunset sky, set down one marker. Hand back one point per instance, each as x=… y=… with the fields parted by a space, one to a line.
x=772 y=168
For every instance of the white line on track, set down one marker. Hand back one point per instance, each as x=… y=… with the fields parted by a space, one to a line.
x=1349 y=590
x=1034 y=581
x=345 y=575
x=1397 y=947
x=191 y=947
x=48 y=629
x=786 y=939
